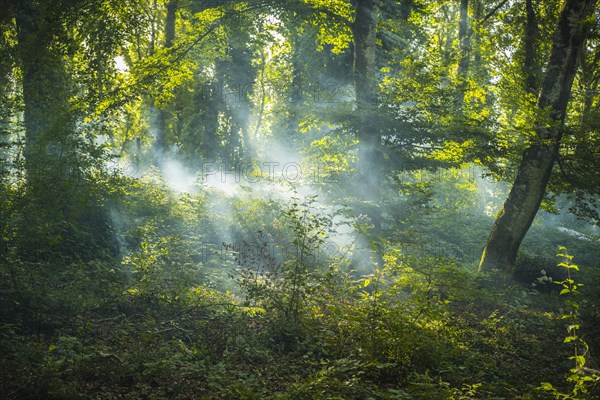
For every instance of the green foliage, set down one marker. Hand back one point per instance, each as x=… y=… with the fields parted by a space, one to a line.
x=285 y=280
x=114 y=285
x=580 y=377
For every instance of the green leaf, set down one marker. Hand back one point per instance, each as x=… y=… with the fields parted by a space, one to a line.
x=579 y=360
x=569 y=339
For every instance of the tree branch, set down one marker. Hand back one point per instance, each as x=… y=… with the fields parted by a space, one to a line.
x=562 y=170
x=493 y=11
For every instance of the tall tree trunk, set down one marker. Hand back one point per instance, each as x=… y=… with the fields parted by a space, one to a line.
x=370 y=155
x=295 y=100
x=162 y=114
x=212 y=110
x=531 y=65
x=58 y=197
x=406 y=7
x=6 y=96
x=478 y=68
x=529 y=187
x=239 y=74
x=464 y=39
x=590 y=80
x=45 y=97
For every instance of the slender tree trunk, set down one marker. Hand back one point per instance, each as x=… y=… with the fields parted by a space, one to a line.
x=464 y=38
x=590 y=79
x=162 y=114
x=478 y=68
x=406 y=7
x=211 y=113
x=239 y=75
x=295 y=99
x=153 y=27
x=370 y=155
x=242 y=115
x=528 y=190
x=6 y=95
x=448 y=36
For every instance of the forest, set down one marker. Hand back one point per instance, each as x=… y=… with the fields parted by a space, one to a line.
x=299 y=200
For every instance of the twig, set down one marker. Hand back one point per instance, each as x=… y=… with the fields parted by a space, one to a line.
x=492 y=12
x=110 y=318
x=591 y=371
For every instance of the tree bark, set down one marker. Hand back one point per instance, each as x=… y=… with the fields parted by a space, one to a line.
x=162 y=115
x=6 y=95
x=58 y=196
x=406 y=7
x=531 y=67
x=44 y=88
x=370 y=154
x=589 y=82
x=464 y=38
x=476 y=46
x=525 y=197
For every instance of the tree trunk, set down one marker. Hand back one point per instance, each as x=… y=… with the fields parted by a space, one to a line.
x=46 y=109
x=6 y=97
x=464 y=38
x=58 y=197
x=531 y=67
x=406 y=7
x=238 y=75
x=162 y=115
x=528 y=190
x=590 y=79
x=212 y=110
x=370 y=155
x=477 y=67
